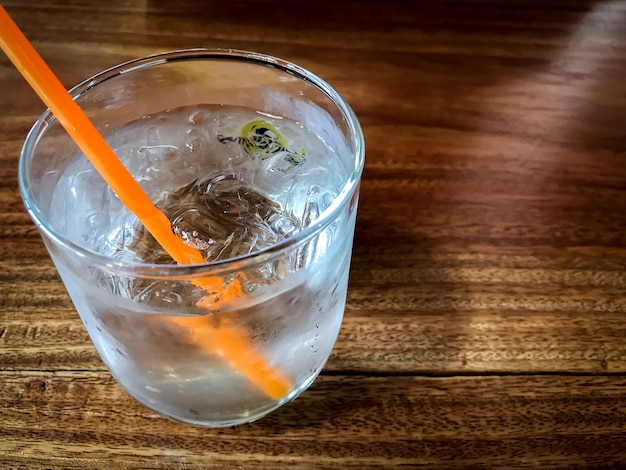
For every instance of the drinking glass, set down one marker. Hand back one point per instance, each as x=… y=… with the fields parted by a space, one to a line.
x=185 y=350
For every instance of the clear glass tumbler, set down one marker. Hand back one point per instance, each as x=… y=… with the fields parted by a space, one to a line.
x=227 y=341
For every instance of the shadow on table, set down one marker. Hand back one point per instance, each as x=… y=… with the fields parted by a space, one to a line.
x=328 y=401
x=473 y=154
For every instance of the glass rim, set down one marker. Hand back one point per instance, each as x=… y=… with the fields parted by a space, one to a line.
x=178 y=271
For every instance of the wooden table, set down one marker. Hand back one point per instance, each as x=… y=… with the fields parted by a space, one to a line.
x=486 y=316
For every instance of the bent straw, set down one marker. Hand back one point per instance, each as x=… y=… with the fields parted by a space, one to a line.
x=222 y=340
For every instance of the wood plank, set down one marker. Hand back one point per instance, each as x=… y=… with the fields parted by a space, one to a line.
x=452 y=313
x=83 y=420
x=441 y=343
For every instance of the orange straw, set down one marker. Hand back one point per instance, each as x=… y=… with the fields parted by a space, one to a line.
x=227 y=342
x=223 y=340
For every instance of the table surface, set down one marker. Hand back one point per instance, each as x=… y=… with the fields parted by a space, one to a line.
x=485 y=325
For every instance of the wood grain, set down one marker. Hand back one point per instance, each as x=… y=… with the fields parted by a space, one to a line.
x=485 y=324
x=380 y=343
x=353 y=421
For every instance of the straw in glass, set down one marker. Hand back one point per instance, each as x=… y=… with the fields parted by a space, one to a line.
x=224 y=341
